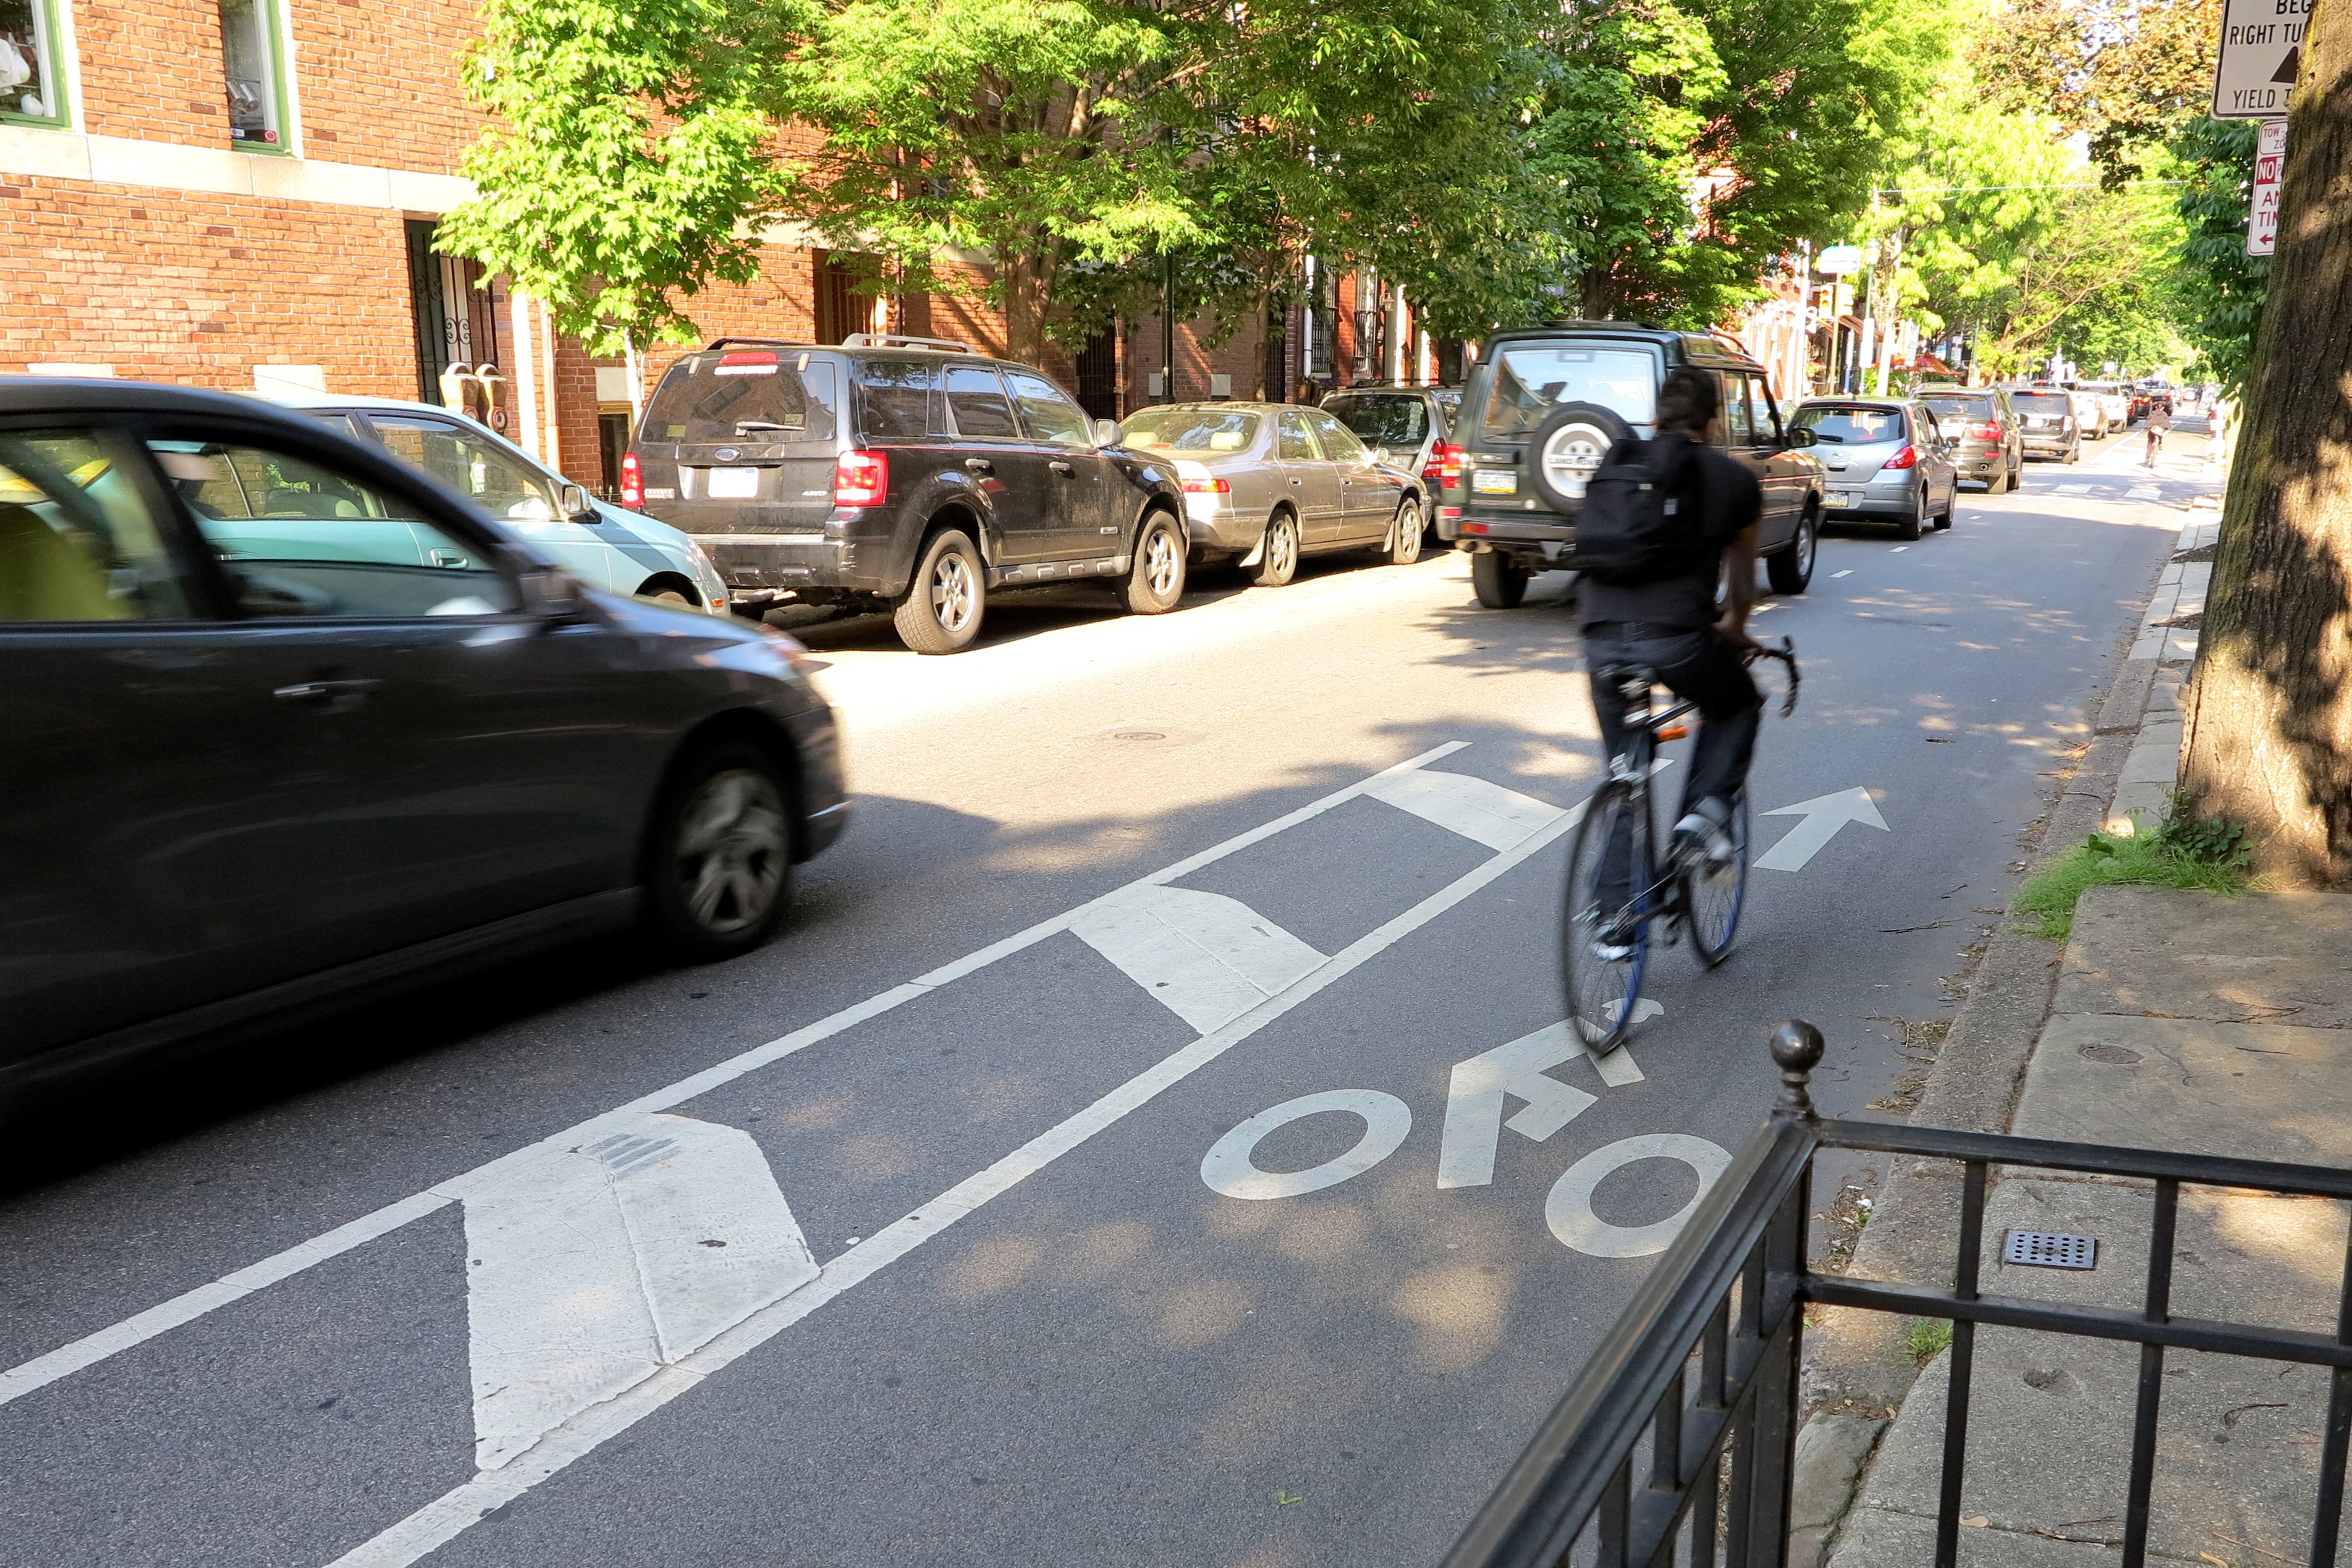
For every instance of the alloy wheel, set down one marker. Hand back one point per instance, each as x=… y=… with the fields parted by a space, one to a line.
x=953 y=598
x=1161 y=562
x=733 y=850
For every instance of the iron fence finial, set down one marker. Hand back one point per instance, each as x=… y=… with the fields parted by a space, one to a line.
x=1797 y=1045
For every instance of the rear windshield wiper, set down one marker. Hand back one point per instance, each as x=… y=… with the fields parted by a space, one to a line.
x=1826 y=435
x=743 y=424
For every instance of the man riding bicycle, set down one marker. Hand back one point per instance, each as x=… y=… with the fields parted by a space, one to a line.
x=1665 y=617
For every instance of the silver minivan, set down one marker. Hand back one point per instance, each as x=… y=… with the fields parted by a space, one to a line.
x=1884 y=459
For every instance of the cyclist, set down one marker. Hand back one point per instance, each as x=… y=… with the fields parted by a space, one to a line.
x=1670 y=625
x=2160 y=420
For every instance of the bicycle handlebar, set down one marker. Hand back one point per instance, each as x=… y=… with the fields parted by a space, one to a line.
x=1787 y=654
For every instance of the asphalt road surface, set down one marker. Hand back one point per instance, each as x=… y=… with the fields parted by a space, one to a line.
x=1092 y=1173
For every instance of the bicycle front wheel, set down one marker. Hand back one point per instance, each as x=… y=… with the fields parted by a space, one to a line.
x=1605 y=925
x=1713 y=896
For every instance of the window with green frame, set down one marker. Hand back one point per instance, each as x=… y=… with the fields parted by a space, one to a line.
x=250 y=57
x=32 y=64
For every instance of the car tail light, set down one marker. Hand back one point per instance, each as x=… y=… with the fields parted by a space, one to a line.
x=1444 y=464
x=1902 y=459
x=633 y=482
x=1211 y=486
x=861 y=478
x=1989 y=431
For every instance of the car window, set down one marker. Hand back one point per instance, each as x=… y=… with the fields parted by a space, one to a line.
x=976 y=400
x=1292 y=439
x=1051 y=417
x=301 y=537
x=897 y=398
x=1849 y=426
x=1760 y=411
x=78 y=539
x=2042 y=402
x=1531 y=379
x=1194 y=430
x=743 y=394
x=1738 y=429
x=1339 y=444
x=471 y=465
x=1399 y=423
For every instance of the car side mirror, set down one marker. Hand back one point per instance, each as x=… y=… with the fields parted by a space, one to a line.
x=1803 y=436
x=1380 y=454
x=550 y=592
x=574 y=499
x=1107 y=432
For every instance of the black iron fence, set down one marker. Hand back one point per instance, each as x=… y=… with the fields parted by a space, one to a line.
x=1676 y=1442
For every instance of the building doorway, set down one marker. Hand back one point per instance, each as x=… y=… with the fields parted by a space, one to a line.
x=456 y=323
x=1097 y=366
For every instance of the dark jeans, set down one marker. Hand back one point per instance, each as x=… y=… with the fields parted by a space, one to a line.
x=1700 y=666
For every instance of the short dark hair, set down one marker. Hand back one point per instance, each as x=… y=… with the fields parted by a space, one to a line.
x=1687 y=400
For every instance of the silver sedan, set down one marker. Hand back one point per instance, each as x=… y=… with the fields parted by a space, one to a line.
x=1266 y=483
x=1884 y=459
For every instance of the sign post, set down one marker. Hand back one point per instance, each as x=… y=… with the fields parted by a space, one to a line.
x=2270 y=168
x=2262 y=49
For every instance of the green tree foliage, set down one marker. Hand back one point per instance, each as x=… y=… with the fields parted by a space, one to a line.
x=2129 y=74
x=2221 y=288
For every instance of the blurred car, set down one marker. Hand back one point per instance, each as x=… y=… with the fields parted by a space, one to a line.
x=2113 y=401
x=1408 y=423
x=603 y=545
x=2090 y=414
x=1980 y=428
x=1882 y=459
x=291 y=724
x=1544 y=405
x=1265 y=483
x=2045 y=423
x=908 y=475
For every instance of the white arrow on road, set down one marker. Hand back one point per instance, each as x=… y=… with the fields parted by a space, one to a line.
x=1823 y=816
x=1474 y=1100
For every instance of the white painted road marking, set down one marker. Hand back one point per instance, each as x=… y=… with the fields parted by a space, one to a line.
x=1898 y=549
x=1568 y=1210
x=1486 y=813
x=1823 y=816
x=18 y=1380
x=592 y=1267
x=1229 y=1170
x=1835 y=575
x=1206 y=957
x=447 y=1517
x=1474 y=1102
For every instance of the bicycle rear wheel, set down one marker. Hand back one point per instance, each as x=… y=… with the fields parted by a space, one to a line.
x=1612 y=849
x=1712 y=899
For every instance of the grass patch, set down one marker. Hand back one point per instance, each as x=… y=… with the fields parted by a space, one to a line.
x=2187 y=851
x=1929 y=1338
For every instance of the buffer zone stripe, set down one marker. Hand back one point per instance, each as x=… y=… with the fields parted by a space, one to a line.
x=67 y=1359
x=447 y=1517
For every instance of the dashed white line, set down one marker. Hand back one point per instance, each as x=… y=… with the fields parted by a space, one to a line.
x=1835 y=575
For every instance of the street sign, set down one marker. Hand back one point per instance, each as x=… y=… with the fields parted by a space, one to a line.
x=1843 y=260
x=2262 y=47
x=2270 y=168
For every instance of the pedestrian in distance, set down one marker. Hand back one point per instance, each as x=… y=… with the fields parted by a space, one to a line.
x=2160 y=420
x=1662 y=520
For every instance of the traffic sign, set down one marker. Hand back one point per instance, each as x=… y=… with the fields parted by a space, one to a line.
x=1839 y=260
x=2270 y=168
x=2262 y=48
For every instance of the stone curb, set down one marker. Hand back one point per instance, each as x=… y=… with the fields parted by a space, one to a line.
x=1858 y=1365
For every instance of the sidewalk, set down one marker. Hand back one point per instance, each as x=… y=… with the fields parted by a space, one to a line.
x=2177 y=1020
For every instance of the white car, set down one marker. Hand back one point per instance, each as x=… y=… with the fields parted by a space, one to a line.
x=605 y=546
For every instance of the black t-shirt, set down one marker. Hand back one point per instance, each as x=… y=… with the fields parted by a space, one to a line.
x=1729 y=499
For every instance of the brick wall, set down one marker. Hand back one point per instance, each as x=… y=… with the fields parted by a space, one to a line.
x=379 y=83
x=1241 y=357
x=152 y=70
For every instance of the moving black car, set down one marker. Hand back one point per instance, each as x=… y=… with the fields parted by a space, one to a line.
x=901 y=474
x=1542 y=406
x=288 y=723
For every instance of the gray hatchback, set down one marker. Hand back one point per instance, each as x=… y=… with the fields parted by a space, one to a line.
x=1882 y=459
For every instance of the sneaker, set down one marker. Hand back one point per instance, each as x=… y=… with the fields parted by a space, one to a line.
x=1615 y=942
x=1700 y=832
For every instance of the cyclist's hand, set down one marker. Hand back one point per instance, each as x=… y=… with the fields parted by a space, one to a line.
x=1737 y=635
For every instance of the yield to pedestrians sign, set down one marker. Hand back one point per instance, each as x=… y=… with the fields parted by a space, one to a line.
x=2262 y=48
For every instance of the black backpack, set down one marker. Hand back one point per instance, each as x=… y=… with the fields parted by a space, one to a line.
x=1641 y=520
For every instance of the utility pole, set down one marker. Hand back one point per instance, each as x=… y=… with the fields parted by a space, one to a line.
x=1167 y=325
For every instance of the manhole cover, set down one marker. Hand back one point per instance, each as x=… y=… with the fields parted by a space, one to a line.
x=2115 y=1055
x=2049 y=1249
x=1138 y=735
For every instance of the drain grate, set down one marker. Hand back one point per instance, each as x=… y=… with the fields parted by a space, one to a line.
x=2049 y=1249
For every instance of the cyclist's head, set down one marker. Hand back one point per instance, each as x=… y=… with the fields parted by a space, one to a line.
x=1689 y=402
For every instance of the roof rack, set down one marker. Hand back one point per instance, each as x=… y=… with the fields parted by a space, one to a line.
x=900 y=341
x=716 y=343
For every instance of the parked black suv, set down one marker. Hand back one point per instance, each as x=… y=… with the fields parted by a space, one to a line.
x=902 y=474
x=1542 y=406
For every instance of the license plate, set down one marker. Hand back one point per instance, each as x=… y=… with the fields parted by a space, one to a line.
x=733 y=484
x=1843 y=498
x=1494 y=482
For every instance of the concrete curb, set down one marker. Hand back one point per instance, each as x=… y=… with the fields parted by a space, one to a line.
x=1858 y=1366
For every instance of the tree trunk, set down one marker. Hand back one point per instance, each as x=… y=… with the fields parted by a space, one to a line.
x=2269 y=732
x=1027 y=289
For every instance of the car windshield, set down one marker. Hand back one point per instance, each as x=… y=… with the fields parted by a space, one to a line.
x=2042 y=402
x=1948 y=409
x=1851 y=426
x=1533 y=378
x=743 y=394
x=1196 y=431
x=1397 y=421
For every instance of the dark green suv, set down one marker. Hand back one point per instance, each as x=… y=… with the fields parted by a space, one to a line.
x=1542 y=406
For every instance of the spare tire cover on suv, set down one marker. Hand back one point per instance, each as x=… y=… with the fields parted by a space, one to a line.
x=1567 y=447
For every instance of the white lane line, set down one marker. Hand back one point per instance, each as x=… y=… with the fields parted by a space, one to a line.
x=1476 y=809
x=18 y=1380
x=1898 y=549
x=1835 y=575
x=1205 y=958
x=442 y=1520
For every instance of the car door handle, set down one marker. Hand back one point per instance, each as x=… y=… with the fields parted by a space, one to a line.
x=1298 y=481
x=448 y=557
x=1062 y=468
x=324 y=691
x=980 y=464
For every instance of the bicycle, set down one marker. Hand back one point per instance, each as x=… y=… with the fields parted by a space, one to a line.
x=1613 y=850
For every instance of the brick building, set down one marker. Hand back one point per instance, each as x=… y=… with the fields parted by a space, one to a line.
x=242 y=193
